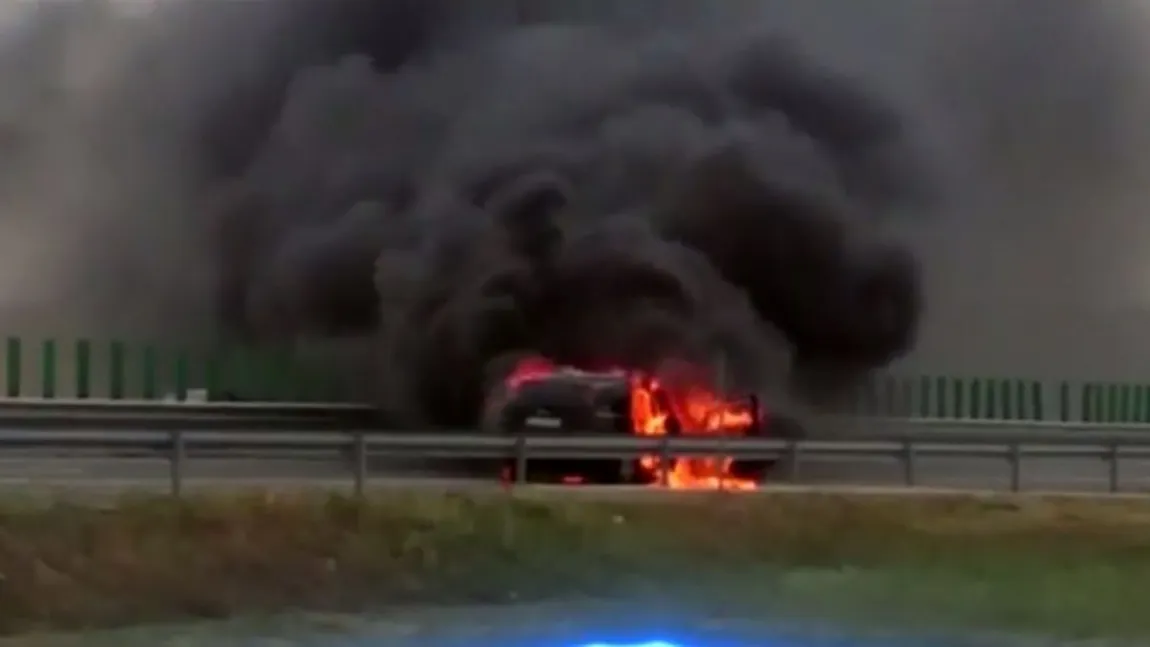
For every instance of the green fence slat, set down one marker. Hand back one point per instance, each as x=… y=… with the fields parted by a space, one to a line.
x=1083 y=404
x=303 y=386
x=1007 y=402
x=1087 y=413
x=940 y=397
x=149 y=372
x=1113 y=403
x=1064 y=402
x=1110 y=402
x=1098 y=402
x=1112 y=412
x=1090 y=402
x=14 y=367
x=279 y=379
x=1115 y=398
x=925 y=397
x=991 y=410
x=1124 y=407
x=1037 y=408
x=276 y=367
x=1130 y=392
x=48 y=369
x=1124 y=402
x=1024 y=404
x=260 y=373
x=1029 y=400
x=1032 y=400
x=1102 y=402
x=213 y=373
x=117 y=365
x=959 y=398
x=83 y=368
x=1098 y=398
x=245 y=374
x=243 y=378
x=1140 y=392
x=976 y=398
x=1022 y=409
x=180 y=370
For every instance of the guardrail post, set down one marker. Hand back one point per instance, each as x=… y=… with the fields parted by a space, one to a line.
x=794 y=456
x=520 y=460
x=1115 y=472
x=178 y=459
x=1015 y=467
x=908 y=464
x=359 y=465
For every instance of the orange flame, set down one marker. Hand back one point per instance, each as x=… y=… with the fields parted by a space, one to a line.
x=658 y=409
x=696 y=411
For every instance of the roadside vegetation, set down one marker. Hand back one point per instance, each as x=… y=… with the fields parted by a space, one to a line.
x=1067 y=566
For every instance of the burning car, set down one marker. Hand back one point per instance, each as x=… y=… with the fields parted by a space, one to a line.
x=540 y=397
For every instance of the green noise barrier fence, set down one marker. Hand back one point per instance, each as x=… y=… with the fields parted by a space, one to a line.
x=53 y=368
x=1006 y=399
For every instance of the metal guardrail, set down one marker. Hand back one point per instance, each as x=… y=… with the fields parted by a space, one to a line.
x=174 y=430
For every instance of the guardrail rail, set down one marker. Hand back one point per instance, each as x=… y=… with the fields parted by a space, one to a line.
x=173 y=430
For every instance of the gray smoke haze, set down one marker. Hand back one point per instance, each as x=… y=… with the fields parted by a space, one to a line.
x=449 y=182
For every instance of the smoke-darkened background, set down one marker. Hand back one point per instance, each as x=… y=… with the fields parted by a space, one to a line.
x=438 y=184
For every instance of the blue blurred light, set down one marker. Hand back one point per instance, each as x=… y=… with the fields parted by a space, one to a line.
x=650 y=643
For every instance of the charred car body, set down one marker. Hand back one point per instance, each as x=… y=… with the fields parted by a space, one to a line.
x=568 y=400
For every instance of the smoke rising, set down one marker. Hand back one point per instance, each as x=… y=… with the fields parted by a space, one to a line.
x=447 y=185
x=592 y=194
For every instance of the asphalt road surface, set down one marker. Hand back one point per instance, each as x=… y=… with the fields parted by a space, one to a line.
x=93 y=471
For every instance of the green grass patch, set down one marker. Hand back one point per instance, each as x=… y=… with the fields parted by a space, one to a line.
x=1069 y=566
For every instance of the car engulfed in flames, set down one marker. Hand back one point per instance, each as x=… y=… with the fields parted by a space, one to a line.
x=537 y=396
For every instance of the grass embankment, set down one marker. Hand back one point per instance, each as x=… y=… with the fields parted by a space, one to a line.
x=1073 y=566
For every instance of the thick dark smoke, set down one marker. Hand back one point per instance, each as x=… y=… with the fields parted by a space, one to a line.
x=449 y=183
x=594 y=194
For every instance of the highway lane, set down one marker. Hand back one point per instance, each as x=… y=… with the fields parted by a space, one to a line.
x=40 y=469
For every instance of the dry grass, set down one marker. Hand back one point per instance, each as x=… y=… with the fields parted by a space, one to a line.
x=1074 y=565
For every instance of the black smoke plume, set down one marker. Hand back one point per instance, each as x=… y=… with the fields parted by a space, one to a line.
x=457 y=187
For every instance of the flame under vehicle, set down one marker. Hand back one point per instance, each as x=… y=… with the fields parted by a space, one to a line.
x=539 y=397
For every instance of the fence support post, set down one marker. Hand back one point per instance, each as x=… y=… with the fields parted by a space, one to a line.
x=520 y=460
x=179 y=457
x=909 y=466
x=359 y=464
x=1115 y=471
x=1015 y=467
